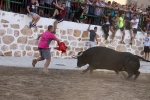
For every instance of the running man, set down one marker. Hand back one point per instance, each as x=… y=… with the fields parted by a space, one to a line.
x=43 y=47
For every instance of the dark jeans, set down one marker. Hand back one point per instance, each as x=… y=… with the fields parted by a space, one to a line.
x=105 y=28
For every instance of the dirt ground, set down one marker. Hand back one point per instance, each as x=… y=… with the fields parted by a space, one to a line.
x=30 y=84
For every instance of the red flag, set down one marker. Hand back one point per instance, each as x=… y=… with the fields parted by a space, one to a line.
x=61 y=47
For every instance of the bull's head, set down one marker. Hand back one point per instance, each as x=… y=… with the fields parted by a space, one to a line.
x=81 y=60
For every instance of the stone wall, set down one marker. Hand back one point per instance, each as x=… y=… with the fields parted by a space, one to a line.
x=16 y=39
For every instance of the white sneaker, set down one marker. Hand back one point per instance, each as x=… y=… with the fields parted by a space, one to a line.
x=45 y=70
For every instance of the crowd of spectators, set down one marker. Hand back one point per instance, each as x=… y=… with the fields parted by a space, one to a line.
x=84 y=11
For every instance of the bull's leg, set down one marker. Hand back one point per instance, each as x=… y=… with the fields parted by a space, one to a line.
x=116 y=72
x=136 y=75
x=130 y=75
x=91 y=71
x=84 y=71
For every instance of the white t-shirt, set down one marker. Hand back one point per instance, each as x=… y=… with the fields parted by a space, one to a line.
x=147 y=41
x=135 y=26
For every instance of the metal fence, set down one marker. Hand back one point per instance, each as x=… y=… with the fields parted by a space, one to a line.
x=19 y=6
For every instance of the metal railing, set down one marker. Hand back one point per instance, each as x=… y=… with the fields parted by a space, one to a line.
x=16 y=5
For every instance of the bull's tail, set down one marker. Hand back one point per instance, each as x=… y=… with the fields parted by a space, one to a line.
x=142 y=58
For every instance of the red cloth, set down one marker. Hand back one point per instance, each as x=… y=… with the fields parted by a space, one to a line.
x=61 y=47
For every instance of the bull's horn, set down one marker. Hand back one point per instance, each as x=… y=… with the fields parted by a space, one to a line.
x=75 y=57
x=80 y=54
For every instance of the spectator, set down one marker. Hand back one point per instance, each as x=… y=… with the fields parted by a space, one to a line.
x=114 y=26
x=47 y=4
x=108 y=5
x=97 y=12
x=121 y=26
x=1 y=4
x=43 y=47
x=147 y=45
x=134 y=25
x=41 y=10
x=59 y=15
x=93 y=36
x=68 y=8
x=128 y=17
x=35 y=17
x=91 y=11
x=148 y=22
x=106 y=24
x=113 y=10
x=79 y=14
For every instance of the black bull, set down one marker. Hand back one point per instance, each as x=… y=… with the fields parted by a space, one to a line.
x=105 y=58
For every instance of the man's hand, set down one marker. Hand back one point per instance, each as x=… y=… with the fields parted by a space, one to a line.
x=31 y=14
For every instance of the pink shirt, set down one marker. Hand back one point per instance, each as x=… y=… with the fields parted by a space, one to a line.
x=46 y=39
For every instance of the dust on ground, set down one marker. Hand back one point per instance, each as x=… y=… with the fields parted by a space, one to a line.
x=30 y=84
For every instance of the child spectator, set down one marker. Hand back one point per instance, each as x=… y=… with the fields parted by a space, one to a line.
x=134 y=25
x=59 y=14
x=35 y=17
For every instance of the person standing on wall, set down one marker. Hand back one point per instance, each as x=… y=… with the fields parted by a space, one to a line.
x=31 y=6
x=121 y=26
x=93 y=36
x=134 y=25
x=43 y=47
x=59 y=14
x=147 y=45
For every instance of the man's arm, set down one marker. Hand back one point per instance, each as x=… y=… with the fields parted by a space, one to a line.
x=89 y=27
x=58 y=6
x=58 y=41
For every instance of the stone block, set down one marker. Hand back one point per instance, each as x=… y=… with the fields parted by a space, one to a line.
x=30 y=54
x=28 y=48
x=4 y=48
x=69 y=31
x=78 y=49
x=32 y=42
x=15 y=26
x=77 y=33
x=8 y=39
x=26 y=31
x=22 y=40
x=35 y=48
x=121 y=48
x=17 y=54
x=4 y=21
x=8 y=53
x=16 y=33
x=9 y=31
x=13 y=46
x=73 y=43
x=36 y=54
x=2 y=32
x=85 y=34
x=71 y=38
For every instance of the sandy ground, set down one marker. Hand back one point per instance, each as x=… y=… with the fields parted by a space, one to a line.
x=31 y=84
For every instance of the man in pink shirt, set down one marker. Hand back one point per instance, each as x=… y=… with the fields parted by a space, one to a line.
x=43 y=47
